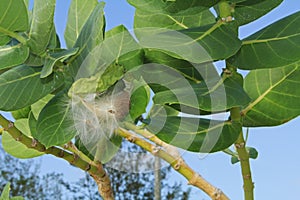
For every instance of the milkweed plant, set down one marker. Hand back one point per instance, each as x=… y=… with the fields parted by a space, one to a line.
x=156 y=86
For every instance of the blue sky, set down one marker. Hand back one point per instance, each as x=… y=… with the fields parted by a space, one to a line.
x=276 y=171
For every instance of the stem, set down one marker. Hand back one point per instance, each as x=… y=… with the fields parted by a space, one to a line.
x=13 y=35
x=177 y=163
x=240 y=145
x=96 y=170
x=245 y=165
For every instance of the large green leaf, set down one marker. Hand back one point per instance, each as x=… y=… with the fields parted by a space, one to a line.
x=123 y=48
x=250 y=10
x=198 y=45
x=15 y=148
x=212 y=94
x=158 y=6
x=41 y=25
x=91 y=35
x=119 y=52
x=275 y=96
x=187 y=69
x=55 y=125
x=13 y=18
x=194 y=134
x=21 y=86
x=222 y=97
x=13 y=55
x=79 y=12
x=277 y=45
x=174 y=21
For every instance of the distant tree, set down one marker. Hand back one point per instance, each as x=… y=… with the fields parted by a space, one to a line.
x=129 y=185
x=26 y=181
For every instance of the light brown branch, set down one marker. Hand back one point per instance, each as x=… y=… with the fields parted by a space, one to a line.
x=96 y=170
x=177 y=163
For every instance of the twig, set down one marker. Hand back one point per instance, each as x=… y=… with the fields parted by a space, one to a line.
x=96 y=170
x=178 y=164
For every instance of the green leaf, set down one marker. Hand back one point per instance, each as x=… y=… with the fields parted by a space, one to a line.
x=198 y=45
x=55 y=125
x=41 y=25
x=253 y=153
x=98 y=83
x=118 y=53
x=249 y=10
x=13 y=18
x=275 y=96
x=277 y=45
x=123 y=48
x=139 y=100
x=15 y=148
x=234 y=160
x=22 y=113
x=219 y=98
x=79 y=12
x=34 y=60
x=55 y=57
x=174 y=21
x=32 y=124
x=54 y=42
x=107 y=149
x=21 y=86
x=5 y=192
x=212 y=94
x=194 y=134
x=188 y=6
x=187 y=69
x=13 y=55
x=91 y=35
x=17 y=198
x=37 y=107
x=81 y=147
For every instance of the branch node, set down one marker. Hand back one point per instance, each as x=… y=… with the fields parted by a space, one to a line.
x=194 y=179
x=61 y=154
x=218 y=193
x=66 y=146
x=155 y=150
x=10 y=125
x=131 y=139
x=88 y=167
x=33 y=143
x=75 y=158
x=19 y=139
x=247 y=176
x=240 y=145
x=178 y=164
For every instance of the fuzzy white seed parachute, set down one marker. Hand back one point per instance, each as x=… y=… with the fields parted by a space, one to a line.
x=97 y=116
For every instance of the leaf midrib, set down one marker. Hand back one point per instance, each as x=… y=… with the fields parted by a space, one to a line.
x=248 y=42
x=19 y=79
